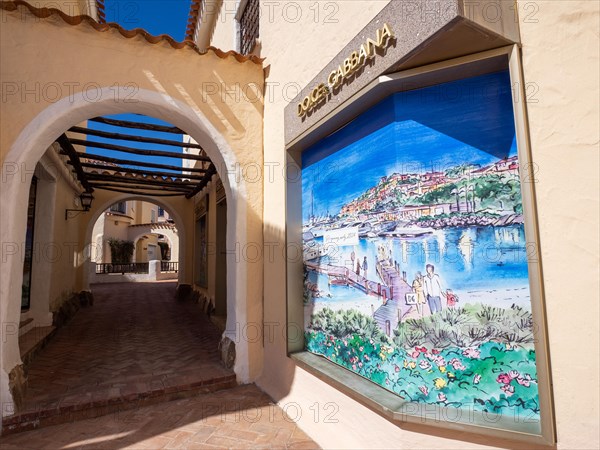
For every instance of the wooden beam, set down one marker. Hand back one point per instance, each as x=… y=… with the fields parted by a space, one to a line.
x=138 y=151
x=116 y=184
x=138 y=125
x=128 y=162
x=129 y=137
x=207 y=176
x=137 y=180
x=138 y=171
x=124 y=191
x=72 y=154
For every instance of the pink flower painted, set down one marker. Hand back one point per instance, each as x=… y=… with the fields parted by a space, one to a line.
x=513 y=374
x=504 y=378
x=471 y=353
x=525 y=380
x=415 y=354
x=360 y=364
x=353 y=366
x=442 y=397
x=476 y=378
x=424 y=364
x=457 y=364
x=396 y=368
x=424 y=390
x=508 y=389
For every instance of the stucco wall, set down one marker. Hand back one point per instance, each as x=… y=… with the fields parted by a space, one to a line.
x=560 y=55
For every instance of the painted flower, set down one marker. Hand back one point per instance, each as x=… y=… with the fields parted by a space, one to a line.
x=451 y=375
x=476 y=378
x=525 y=380
x=396 y=368
x=353 y=366
x=424 y=364
x=504 y=378
x=471 y=353
x=457 y=364
x=508 y=389
x=424 y=390
x=513 y=374
x=361 y=348
x=442 y=397
x=415 y=354
x=439 y=383
x=442 y=369
x=360 y=364
x=366 y=357
x=412 y=365
x=435 y=352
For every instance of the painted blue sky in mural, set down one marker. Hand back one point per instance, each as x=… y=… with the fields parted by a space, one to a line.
x=466 y=121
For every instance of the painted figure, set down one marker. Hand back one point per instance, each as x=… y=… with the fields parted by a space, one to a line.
x=365 y=267
x=433 y=289
x=417 y=287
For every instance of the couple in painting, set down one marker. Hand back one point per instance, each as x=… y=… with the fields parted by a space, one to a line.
x=429 y=288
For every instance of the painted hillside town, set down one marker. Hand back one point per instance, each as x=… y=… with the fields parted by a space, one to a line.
x=419 y=281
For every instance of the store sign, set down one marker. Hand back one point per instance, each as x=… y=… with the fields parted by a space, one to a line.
x=351 y=64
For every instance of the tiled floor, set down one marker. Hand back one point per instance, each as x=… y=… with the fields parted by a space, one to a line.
x=241 y=417
x=135 y=343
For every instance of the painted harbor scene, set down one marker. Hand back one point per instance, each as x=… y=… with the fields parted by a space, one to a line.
x=415 y=256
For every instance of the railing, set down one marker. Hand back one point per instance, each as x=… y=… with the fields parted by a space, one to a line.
x=106 y=268
x=169 y=266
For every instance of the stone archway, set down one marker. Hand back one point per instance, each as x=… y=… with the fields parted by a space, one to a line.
x=215 y=97
x=176 y=208
x=29 y=146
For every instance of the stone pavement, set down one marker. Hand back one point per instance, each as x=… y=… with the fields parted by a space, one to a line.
x=237 y=418
x=136 y=345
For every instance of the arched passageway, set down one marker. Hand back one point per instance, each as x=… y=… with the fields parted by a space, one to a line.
x=166 y=87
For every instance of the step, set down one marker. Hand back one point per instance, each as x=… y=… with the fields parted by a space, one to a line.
x=33 y=341
x=110 y=399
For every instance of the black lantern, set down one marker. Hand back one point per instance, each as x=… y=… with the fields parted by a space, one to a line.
x=86 y=198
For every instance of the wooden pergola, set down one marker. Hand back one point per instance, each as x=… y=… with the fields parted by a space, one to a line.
x=119 y=174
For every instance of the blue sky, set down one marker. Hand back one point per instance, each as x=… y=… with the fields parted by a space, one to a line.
x=155 y=16
x=141 y=145
x=467 y=121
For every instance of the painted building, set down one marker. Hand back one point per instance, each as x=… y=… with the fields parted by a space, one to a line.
x=256 y=84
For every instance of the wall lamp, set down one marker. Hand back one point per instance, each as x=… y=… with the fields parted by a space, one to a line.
x=86 y=202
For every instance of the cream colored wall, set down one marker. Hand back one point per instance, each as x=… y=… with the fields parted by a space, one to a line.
x=561 y=68
x=561 y=57
x=224 y=34
x=70 y=7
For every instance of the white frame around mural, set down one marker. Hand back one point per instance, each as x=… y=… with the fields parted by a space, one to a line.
x=362 y=390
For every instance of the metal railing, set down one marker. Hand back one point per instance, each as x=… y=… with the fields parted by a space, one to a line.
x=106 y=268
x=169 y=266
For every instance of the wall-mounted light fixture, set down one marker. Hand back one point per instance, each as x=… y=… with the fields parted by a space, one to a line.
x=86 y=202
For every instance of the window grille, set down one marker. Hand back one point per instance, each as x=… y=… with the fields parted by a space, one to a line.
x=249 y=22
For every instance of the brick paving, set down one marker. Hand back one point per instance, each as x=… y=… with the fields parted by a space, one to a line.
x=135 y=345
x=237 y=418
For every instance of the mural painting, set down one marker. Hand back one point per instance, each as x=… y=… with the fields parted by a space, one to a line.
x=415 y=255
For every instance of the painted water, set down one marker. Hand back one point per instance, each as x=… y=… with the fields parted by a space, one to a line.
x=483 y=264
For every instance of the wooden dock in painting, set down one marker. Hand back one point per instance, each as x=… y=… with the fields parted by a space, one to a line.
x=392 y=290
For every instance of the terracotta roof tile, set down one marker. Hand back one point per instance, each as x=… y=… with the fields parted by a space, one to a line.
x=44 y=13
